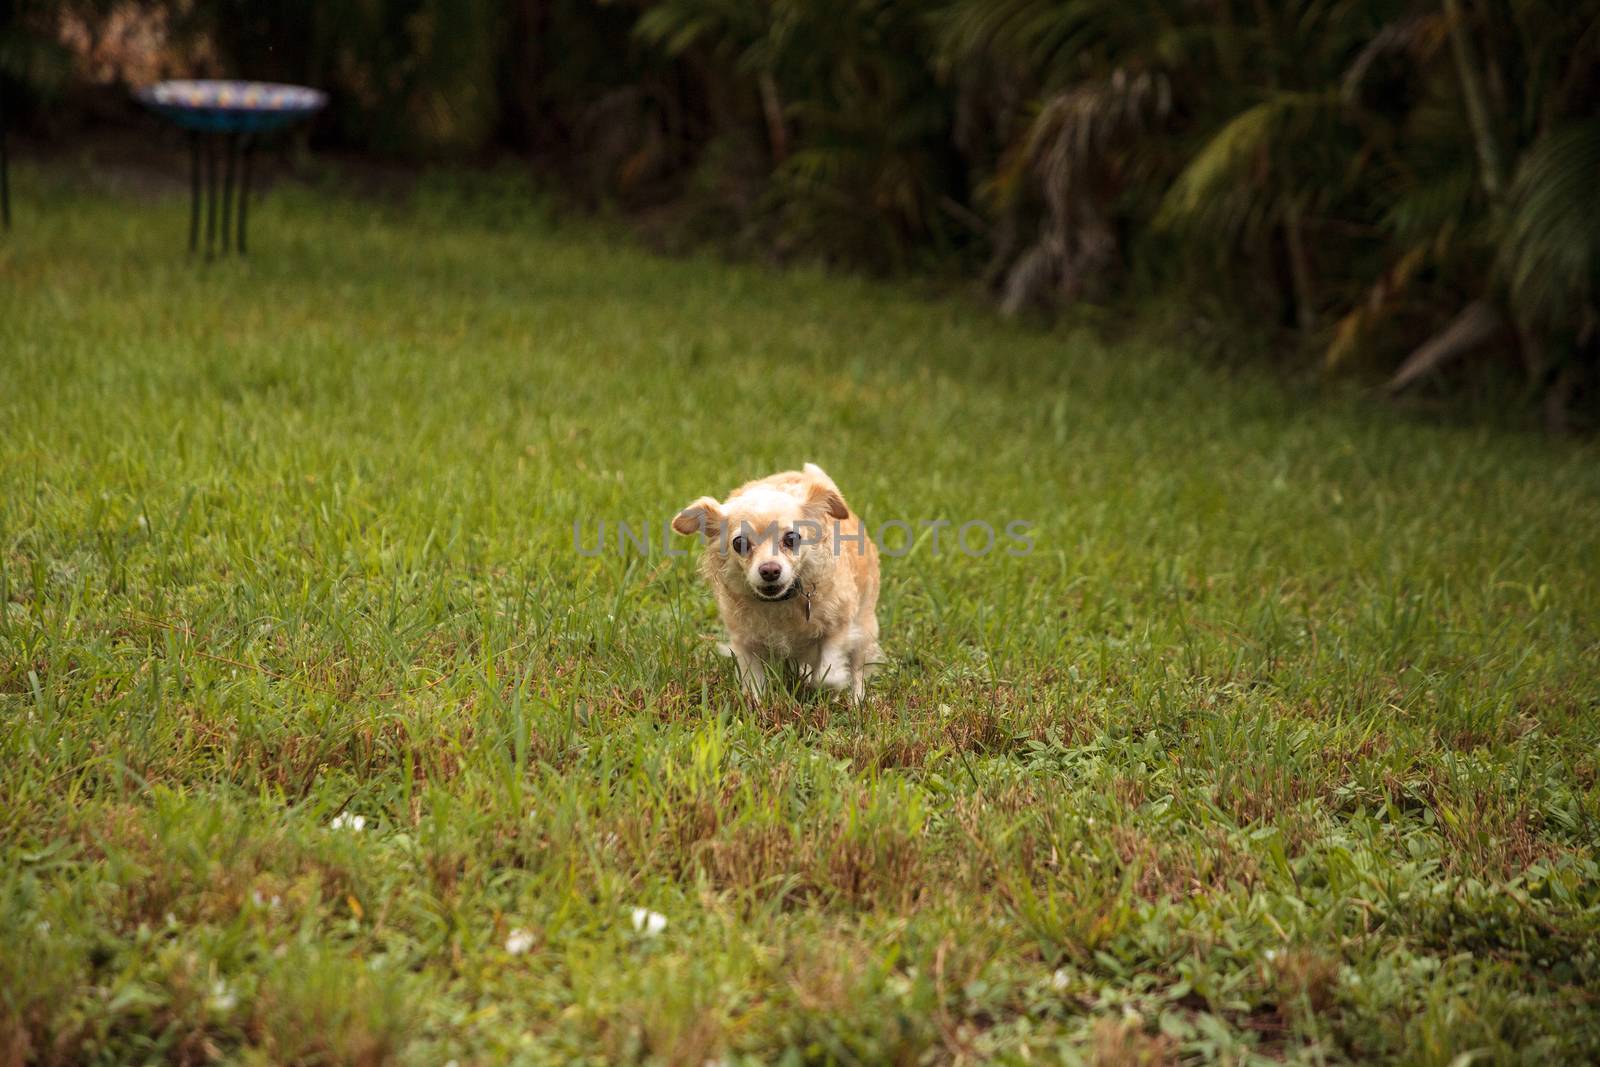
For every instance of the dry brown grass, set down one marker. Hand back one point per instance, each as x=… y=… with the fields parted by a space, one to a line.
x=1173 y=870
x=1125 y=1043
x=1304 y=982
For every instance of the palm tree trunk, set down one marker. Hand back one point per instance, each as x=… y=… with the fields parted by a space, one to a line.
x=772 y=106
x=1558 y=399
x=1472 y=90
x=1299 y=268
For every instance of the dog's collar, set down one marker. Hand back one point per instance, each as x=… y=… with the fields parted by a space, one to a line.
x=796 y=589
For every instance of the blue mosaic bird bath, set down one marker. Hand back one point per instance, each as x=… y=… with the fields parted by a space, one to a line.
x=231 y=113
x=231 y=106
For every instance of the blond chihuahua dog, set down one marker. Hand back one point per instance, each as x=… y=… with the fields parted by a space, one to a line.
x=796 y=579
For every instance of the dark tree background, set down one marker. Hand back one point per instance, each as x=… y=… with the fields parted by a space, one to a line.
x=1398 y=187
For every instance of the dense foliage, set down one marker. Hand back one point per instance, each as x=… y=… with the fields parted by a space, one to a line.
x=1400 y=183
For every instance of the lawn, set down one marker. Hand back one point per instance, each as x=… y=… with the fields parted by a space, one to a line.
x=321 y=742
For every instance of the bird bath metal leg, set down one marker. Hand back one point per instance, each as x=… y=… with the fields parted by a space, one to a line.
x=194 y=192
x=230 y=150
x=226 y=117
x=244 y=186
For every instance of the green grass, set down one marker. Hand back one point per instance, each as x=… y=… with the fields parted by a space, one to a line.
x=1281 y=744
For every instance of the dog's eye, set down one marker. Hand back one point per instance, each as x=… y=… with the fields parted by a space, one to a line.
x=791 y=540
x=740 y=545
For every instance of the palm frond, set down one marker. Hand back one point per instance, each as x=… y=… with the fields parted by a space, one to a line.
x=1359 y=324
x=1419 y=35
x=1549 y=255
x=1054 y=38
x=1222 y=188
x=1069 y=148
x=1477 y=324
x=1441 y=211
x=724 y=26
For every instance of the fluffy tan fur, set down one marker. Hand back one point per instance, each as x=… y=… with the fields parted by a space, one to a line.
x=792 y=527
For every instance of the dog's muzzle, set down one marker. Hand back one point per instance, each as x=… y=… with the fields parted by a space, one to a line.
x=795 y=589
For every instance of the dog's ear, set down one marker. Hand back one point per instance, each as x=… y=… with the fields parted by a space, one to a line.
x=704 y=515
x=823 y=497
x=816 y=473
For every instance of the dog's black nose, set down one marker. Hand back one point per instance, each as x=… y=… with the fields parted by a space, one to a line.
x=770 y=571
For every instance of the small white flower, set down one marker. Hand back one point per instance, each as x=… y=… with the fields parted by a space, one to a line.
x=42 y=927
x=1271 y=954
x=647 y=922
x=519 y=942
x=1060 y=980
x=222 y=999
x=345 y=821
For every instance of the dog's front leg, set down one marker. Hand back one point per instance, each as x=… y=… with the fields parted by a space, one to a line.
x=752 y=671
x=835 y=670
